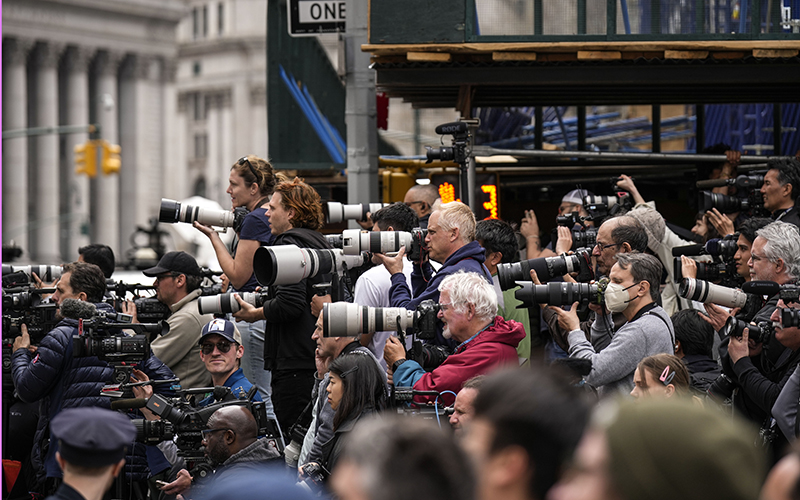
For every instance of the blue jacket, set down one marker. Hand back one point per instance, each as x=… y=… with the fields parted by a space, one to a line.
x=239 y=385
x=468 y=258
x=57 y=380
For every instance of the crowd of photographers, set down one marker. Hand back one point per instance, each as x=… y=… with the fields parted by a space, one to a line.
x=431 y=355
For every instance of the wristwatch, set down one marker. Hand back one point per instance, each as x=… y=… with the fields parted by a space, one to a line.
x=397 y=364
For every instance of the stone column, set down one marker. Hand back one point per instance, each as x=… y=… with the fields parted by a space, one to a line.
x=214 y=163
x=46 y=244
x=15 y=151
x=105 y=189
x=173 y=179
x=76 y=194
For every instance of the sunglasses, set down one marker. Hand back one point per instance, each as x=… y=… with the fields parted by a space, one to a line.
x=244 y=160
x=223 y=346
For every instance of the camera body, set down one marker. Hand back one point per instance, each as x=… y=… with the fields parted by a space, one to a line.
x=759 y=333
x=23 y=305
x=547 y=268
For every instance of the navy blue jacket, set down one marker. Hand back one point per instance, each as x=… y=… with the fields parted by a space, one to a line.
x=57 y=380
x=468 y=258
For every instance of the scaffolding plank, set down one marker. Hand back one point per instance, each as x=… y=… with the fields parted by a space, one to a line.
x=775 y=52
x=602 y=55
x=513 y=56
x=428 y=56
x=685 y=54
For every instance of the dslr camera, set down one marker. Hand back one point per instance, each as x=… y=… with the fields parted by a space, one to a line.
x=174 y=211
x=354 y=242
x=289 y=264
x=706 y=292
x=561 y=294
x=759 y=333
x=225 y=303
x=338 y=212
x=585 y=237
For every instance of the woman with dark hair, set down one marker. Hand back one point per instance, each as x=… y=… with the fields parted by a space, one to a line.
x=356 y=389
x=250 y=185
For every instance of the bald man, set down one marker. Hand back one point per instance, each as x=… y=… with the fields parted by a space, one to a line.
x=421 y=199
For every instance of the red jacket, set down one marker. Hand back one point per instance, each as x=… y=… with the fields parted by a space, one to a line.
x=493 y=347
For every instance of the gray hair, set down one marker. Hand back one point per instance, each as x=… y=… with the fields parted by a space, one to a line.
x=458 y=215
x=783 y=242
x=471 y=288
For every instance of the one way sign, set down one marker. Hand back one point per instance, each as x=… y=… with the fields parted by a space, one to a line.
x=314 y=17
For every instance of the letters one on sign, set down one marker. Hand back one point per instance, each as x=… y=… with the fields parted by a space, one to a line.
x=315 y=11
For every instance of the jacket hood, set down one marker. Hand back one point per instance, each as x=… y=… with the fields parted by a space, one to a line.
x=471 y=250
x=505 y=332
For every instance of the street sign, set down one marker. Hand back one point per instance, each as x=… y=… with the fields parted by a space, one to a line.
x=314 y=17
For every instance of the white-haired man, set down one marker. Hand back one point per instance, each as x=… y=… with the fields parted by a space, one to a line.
x=468 y=308
x=451 y=242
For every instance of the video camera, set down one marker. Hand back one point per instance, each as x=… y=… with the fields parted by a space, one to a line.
x=546 y=268
x=180 y=419
x=354 y=241
x=173 y=211
x=338 y=212
x=23 y=305
x=459 y=151
x=561 y=294
x=289 y=264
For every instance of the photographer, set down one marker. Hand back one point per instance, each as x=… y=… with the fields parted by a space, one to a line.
x=632 y=291
x=468 y=308
x=250 y=185
x=529 y=226
x=177 y=283
x=321 y=429
x=100 y=255
x=295 y=217
x=450 y=241
x=780 y=189
x=785 y=408
x=49 y=373
x=694 y=343
x=761 y=370
x=421 y=199
x=372 y=287
x=617 y=235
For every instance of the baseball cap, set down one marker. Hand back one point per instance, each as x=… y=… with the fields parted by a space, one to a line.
x=174 y=262
x=576 y=196
x=223 y=328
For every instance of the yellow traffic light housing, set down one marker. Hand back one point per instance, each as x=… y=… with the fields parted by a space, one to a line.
x=86 y=158
x=111 y=162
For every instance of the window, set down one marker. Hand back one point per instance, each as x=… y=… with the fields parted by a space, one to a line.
x=200 y=146
x=198 y=103
x=196 y=68
x=205 y=21
x=195 y=24
x=221 y=18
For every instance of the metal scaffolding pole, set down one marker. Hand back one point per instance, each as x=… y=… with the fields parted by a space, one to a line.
x=613 y=155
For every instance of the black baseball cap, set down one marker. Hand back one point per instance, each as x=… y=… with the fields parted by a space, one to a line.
x=174 y=262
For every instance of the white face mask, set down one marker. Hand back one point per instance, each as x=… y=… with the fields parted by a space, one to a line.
x=616 y=297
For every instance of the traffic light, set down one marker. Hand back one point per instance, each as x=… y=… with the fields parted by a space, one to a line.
x=111 y=162
x=86 y=158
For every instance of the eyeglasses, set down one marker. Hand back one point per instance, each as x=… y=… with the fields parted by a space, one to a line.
x=223 y=346
x=206 y=432
x=244 y=160
x=445 y=305
x=603 y=247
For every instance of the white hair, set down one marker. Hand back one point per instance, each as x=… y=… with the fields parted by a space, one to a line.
x=783 y=242
x=471 y=288
x=458 y=215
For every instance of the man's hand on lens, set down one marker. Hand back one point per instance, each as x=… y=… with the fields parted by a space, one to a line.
x=393 y=351
x=738 y=348
x=392 y=264
x=688 y=267
x=316 y=304
x=248 y=312
x=129 y=307
x=567 y=320
x=716 y=316
x=564 y=243
x=180 y=485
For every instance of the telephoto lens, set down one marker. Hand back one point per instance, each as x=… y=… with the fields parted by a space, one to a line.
x=338 y=212
x=723 y=247
x=703 y=291
x=45 y=273
x=546 y=269
x=225 y=303
x=608 y=201
x=289 y=264
x=723 y=203
x=560 y=294
x=343 y=319
x=790 y=318
x=173 y=211
x=355 y=241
